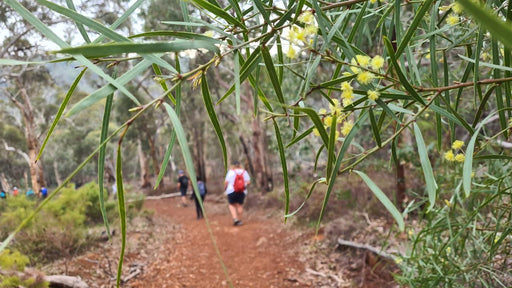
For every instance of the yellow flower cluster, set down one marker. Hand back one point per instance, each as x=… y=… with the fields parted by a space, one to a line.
x=450 y=156
x=452 y=20
x=347 y=126
x=364 y=76
x=347 y=94
x=335 y=110
x=373 y=95
x=301 y=36
x=456 y=9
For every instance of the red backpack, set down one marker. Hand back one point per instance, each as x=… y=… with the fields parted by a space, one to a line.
x=239 y=184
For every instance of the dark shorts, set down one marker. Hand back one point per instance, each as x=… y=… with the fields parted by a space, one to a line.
x=183 y=192
x=236 y=198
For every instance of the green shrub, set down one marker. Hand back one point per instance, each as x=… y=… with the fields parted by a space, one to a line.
x=12 y=263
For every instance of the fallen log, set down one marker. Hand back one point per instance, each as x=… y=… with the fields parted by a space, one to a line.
x=163 y=196
x=55 y=281
x=63 y=281
x=374 y=250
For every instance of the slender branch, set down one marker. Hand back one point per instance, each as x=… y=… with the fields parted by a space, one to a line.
x=396 y=134
x=341 y=4
x=23 y=154
x=465 y=84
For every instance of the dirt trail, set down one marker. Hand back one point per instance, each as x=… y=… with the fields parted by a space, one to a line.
x=260 y=253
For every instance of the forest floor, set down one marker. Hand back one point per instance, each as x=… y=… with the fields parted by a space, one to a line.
x=174 y=249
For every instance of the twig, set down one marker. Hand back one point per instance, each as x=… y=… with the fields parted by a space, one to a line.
x=316 y=273
x=374 y=250
x=132 y=275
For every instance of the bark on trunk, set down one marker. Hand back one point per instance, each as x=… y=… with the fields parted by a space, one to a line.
x=57 y=174
x=5 y=185
x=36 y=169
x=249 y=159
x=199 y=152
x=154 y=159
x=144 y=167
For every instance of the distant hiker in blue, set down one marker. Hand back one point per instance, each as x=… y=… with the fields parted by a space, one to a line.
x=30 y=193
x=44 y=192
x=202 y=192
x=3 y=195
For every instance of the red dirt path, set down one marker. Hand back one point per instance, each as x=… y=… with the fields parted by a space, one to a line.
x=261 y=253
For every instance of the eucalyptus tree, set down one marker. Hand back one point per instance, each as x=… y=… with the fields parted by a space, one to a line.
x=425 y=67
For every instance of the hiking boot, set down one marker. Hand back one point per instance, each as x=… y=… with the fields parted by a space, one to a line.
x=237 y=223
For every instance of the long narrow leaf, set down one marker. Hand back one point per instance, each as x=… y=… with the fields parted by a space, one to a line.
x=498 y=28
x=401 y=76
x=311 y=189
x=332 y=179
x=284 y=167
x=428 y=173
x=383 y=199
x=62 y=107
x=104 y=31
x=95 y=51
x=220 y=13
x=170 y=146
x=122 y=212
x=467 y=169
x=106 y=90
x=46 y=31
x=418 y=17
x=187 y=156
x=213 y=117
x=101 y=159
x=273 y=75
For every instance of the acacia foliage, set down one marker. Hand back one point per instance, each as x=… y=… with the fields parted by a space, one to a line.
x=425 y=67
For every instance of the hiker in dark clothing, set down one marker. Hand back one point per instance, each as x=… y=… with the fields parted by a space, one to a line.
x=183 y=186
x=202 y=192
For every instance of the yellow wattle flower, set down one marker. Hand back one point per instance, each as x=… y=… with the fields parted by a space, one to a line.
x=449 y=156
x=354 y=69
x=347 y=126
x=460 y=157
x=377 y=62
x=347 y=94
x=457 y=144
x=363 y=60
x=322 y=111
x=328 y=121
x=365 y=77
x=311 y=30
x=347 y=101
x=373 y=95
x=345 y=86
x=307 y=17
x=456 y=8
x=292 y=54
x=452 y=20
x=301 y=35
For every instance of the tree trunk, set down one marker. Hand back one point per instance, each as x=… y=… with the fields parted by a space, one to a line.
x=199 y=152
x=25 y=177
x=144 y=167
x=259 y=149
x=36 y=168
x=57 y=174
x=154 y=158
x=249 y=158
x=5 y=185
